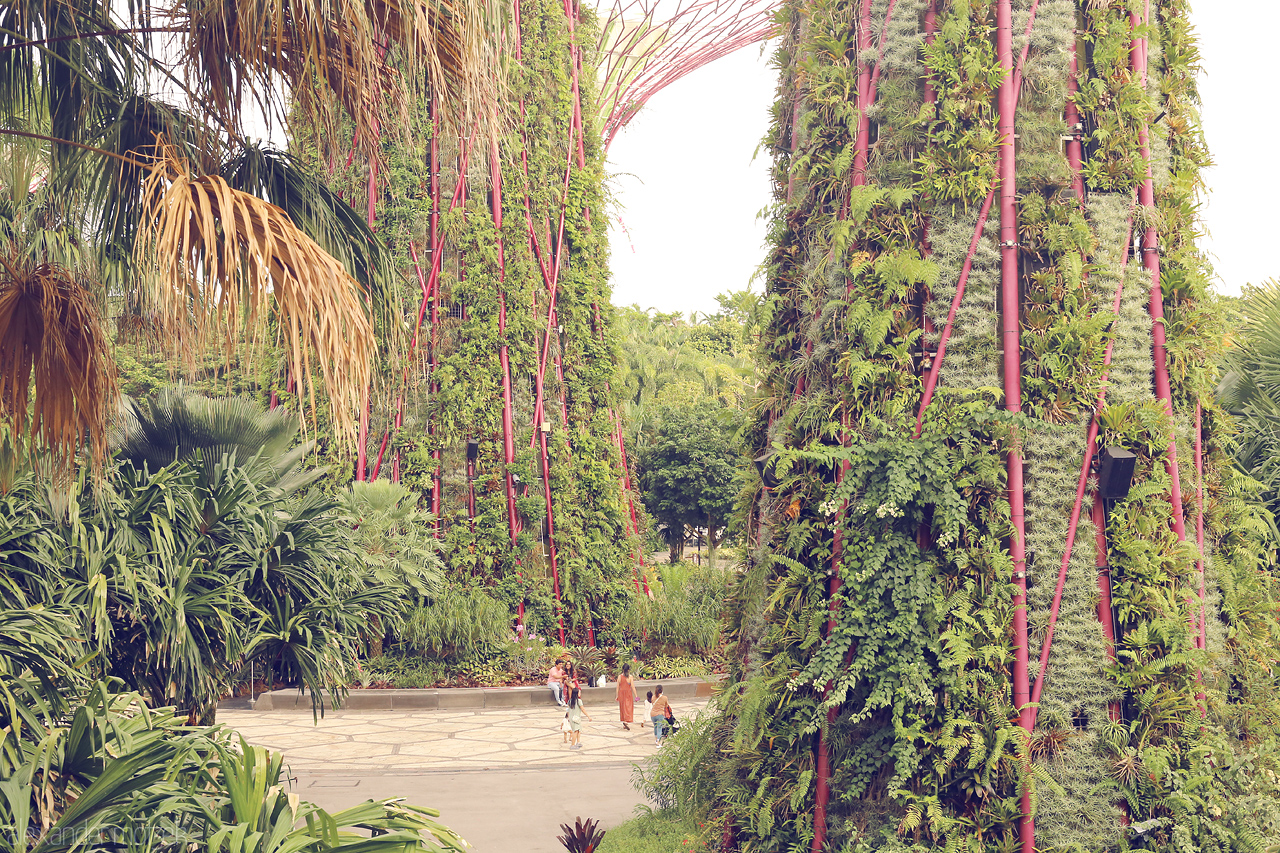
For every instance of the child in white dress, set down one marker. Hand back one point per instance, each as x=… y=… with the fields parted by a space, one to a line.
x=574 y=717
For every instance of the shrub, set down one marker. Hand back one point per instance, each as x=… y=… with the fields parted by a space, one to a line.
x=655 y=832
x=589 y=661
x=529 y=656
x=674 y=667
x=457 y=623
x=679 y=777
x=484 y=671
x=683 y=616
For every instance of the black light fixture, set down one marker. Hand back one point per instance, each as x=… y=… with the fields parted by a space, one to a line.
x=1115 y=472
x=767 y=465
x=473 y=450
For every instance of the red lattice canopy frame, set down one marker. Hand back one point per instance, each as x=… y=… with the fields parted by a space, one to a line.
x=646 y=45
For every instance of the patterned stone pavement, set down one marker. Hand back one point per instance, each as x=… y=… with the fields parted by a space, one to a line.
x=369 y=742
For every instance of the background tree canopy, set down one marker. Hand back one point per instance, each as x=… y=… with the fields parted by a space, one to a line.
x=691 y=473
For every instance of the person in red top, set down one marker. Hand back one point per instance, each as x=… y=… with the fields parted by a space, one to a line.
x=571 y=682
x=555 y=680
x=658 y=714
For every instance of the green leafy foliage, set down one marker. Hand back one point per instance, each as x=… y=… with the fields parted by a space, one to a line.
x=873 y=620
x=495 y=296
x=182 y=577
x=683 y=615
x=691 y=474
x=455 y=623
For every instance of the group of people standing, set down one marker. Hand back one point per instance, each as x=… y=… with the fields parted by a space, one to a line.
x=567 y=690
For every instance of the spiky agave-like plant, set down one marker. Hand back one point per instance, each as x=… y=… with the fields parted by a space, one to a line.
x=581 y=837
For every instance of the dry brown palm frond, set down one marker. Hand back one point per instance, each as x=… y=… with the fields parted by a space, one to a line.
x=51 y=335
x=225 y=258
x=233 y=48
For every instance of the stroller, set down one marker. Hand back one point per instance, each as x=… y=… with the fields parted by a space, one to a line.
x=673 y=725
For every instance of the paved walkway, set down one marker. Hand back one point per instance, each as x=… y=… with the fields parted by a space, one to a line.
x=383 y=741
x=502 y=778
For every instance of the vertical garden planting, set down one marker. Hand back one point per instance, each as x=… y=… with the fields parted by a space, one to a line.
x=983 y=274
x=493 y=399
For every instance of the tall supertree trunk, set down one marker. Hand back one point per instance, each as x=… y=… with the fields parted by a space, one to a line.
x=500 y=411
x=966 y=348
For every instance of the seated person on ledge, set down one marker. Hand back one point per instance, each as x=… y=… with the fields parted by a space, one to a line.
x=555 y=680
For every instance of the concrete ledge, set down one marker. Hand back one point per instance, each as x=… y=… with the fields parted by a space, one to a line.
x=459 y=698
x=415 y=700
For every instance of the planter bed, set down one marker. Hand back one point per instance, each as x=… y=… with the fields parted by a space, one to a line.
x=432 y=698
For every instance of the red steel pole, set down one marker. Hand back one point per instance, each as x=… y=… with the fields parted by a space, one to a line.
x=926 y=247
x=1075 y=128
x=1199 y=451
x=513 y=521
x=504 y=357
x=1151 y=261
x=551 y=529
x=362 y=453
x=433 y=284
x=1104 y=587
x=1010 y=305
x=936 y=364
x=1200 y=628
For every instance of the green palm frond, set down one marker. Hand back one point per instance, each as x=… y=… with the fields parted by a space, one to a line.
x=178 y=423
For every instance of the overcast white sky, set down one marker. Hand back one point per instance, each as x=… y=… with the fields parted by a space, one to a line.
x=688 y=192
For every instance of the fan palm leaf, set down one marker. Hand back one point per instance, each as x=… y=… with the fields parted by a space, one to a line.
x=225 y=257
x=337 y=227
x=179 y=424
x=146 y=181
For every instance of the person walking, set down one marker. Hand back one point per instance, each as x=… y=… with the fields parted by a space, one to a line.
x=575 y=714
x=626 y=696
x=648 y=707
x=555 y=680
x=658 y=714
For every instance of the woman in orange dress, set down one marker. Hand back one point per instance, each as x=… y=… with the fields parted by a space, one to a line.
x=626 y=695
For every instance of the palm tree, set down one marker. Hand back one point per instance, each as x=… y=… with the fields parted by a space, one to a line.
x=665 y=367
x=393 y=536
x=115 y=201
x=202 y=554
x=1250 y=389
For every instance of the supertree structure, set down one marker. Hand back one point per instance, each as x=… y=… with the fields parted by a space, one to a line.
x=1006 y=591
x=497 y=405
x=646 y=45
